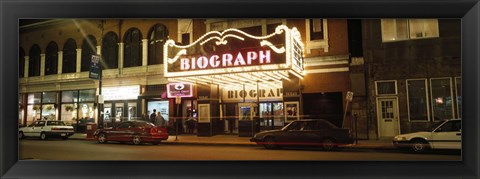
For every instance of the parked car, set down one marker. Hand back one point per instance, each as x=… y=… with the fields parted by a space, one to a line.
x=442 y=135
x=134 y=131
x=312 y=132
x=45 y=129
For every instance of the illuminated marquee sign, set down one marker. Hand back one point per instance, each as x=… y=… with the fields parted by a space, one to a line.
x=264 y=92
x=179 y=89
x=120 y=93
x=234 y=51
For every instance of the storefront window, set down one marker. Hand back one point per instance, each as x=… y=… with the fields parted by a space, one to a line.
x=132 y=111
x=458 y=85
x=441 y=99
x=87 y=95
x=417 y=99
x=48 y=112
x=34 y=98
x=278 y=115
x=20 y=109
x=33 y=113
x=107 y=110
x=49 y=97
x=69 y=113
x=69 y=96
x=86 y=111
x=160 y=106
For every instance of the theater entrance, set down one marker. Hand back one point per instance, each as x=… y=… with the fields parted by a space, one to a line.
x=271 y=115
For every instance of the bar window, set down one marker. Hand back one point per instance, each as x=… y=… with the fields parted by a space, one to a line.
x=417 y=100
x=87 y=95
x=386 y=87
x=423 y=28
x=394 y=29
x=442 y=103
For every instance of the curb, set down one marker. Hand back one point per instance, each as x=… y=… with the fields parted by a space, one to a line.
x=376 y=147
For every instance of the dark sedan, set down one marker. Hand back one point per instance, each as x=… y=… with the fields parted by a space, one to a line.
x=137 y=132
x=314 y=132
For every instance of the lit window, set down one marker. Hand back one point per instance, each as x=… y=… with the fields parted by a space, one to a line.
x=405 y=29
x=441 y=98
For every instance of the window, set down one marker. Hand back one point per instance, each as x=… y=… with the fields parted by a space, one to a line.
x=110 y=51
x=125 y=125
x=78 y=104
x=317 y=34
x=21 y=63
x=386 y=87
x=133 y=48
x=89 y=45
x=69 y=64
x=40 y=124
x=34 y=61
x=156 y=38
x=49 y=100
x=417 y=100
x=55 y=123
x=441 y=98
x=405 y=29
x=51 y=59
x=450 y=126
x=458 y=87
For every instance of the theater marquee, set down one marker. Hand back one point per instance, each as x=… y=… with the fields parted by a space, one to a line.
x=232 y=55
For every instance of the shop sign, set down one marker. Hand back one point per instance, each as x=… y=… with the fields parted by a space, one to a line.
x=234 y=51
x=179 y=90
x=120 y=93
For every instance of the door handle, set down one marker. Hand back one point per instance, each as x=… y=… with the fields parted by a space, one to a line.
x=459 y=134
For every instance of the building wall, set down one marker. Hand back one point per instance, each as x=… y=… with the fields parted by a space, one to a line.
x=409 y=59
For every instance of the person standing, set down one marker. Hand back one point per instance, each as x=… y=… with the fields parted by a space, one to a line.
x=159 y=120
x=152 y=116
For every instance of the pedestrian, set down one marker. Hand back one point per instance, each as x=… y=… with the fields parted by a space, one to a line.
x=152 y=116
x=159 y=120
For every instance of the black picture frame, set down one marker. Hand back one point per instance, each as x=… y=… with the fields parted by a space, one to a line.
x=11 y=11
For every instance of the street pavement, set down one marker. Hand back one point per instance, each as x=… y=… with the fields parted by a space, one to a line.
x=235 y=140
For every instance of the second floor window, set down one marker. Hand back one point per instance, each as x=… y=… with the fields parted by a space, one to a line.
x=51 y=59
x=316 y=29
x=89 y=45
x=21 y=63
x=110 y=51
x=34 y=61
x=405 y=29
x=156 y=38
x=69 y=57
x=133 y=48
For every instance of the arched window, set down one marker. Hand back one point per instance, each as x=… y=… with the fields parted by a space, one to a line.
x=21 y=63
x=69 y=57
x=133 y=48
x=89 y=46
x=51 y=59
x=34 y=61
x=156 y=38
x=110 y=51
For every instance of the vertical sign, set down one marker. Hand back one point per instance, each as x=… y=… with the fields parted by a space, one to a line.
x=95 y=69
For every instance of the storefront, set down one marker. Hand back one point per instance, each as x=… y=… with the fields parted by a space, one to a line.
x=243 y=83
x=120 y=103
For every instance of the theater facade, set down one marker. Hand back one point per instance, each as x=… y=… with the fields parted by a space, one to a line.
x=233 y=76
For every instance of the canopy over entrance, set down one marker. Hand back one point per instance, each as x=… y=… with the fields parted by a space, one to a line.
x=233 y=57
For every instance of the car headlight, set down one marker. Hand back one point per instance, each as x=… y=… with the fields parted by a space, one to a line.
x=400 y=138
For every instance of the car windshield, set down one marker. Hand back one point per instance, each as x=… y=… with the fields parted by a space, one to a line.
x=435 y=125
x=55 y=123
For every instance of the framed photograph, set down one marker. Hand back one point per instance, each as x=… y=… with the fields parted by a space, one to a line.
x=328 y=47
x=291 y=111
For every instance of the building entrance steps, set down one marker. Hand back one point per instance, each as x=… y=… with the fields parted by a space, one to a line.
x=235 y=140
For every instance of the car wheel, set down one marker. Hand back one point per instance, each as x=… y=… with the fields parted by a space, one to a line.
x=419 y=146
x=136 y=140
x=20 y=135
x=328 y=144
x=102 y=138
x=269 y=143
x=43 y=136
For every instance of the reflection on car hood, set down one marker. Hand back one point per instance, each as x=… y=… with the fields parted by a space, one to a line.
x=266 y=132
x=414 y=134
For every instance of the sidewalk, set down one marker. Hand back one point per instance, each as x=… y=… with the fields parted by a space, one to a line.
x=234 y=140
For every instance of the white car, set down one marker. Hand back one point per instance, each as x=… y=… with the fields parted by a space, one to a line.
x=45 y=129
x=443 y=135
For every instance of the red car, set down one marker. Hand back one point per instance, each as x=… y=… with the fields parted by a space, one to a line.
x=137 y=132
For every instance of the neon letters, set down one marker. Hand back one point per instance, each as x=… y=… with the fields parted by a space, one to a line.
x=226 y=60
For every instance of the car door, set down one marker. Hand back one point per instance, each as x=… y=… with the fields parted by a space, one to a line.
x=38 y=128
x=291 y=135
x=28 y=131
x=124 y=131
x=448 y=136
